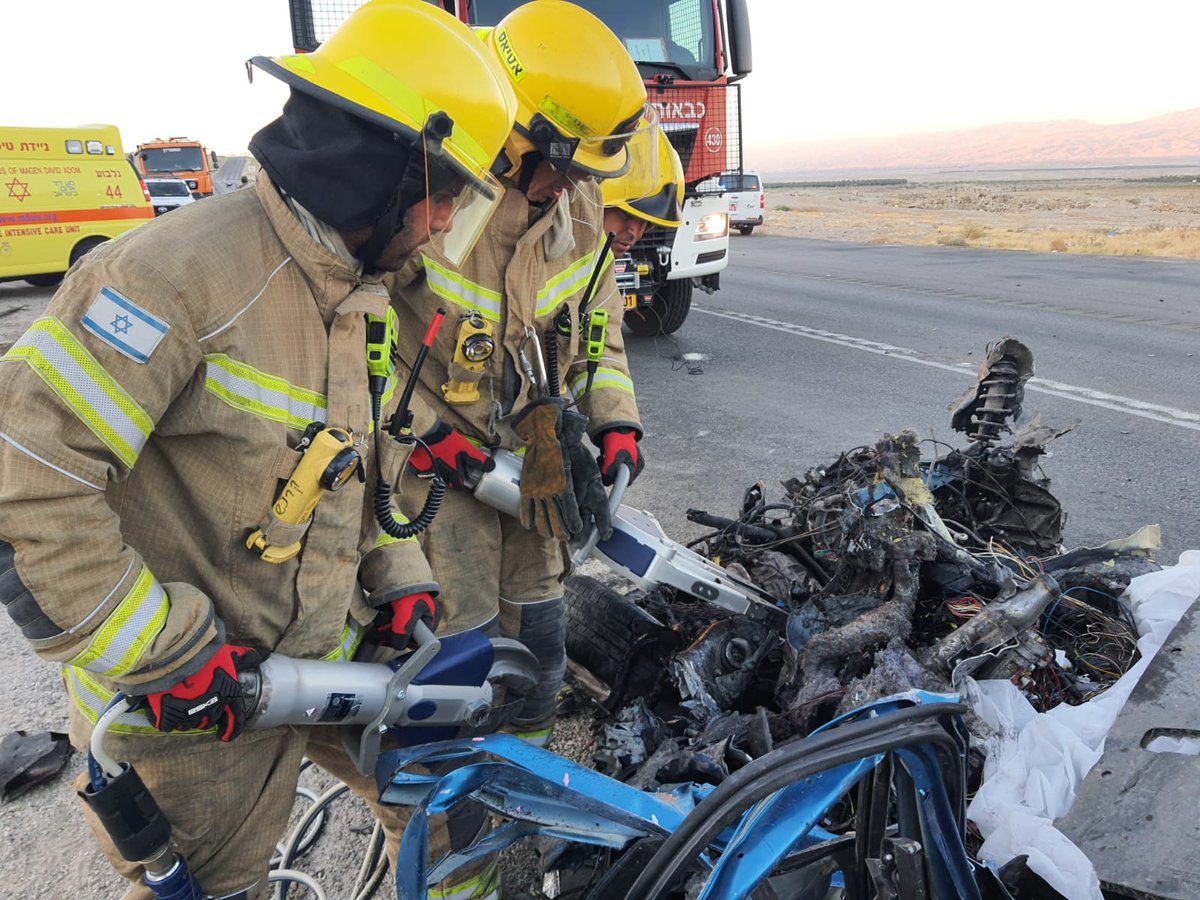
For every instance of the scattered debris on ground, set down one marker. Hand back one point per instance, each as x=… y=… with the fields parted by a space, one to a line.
x=27 y=760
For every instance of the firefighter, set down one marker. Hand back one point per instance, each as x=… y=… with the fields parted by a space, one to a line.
x=635 y=201
x=148 y=420
x=579 y=104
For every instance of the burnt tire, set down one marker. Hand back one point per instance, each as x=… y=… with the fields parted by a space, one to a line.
x=664 y=314
x=602 y=627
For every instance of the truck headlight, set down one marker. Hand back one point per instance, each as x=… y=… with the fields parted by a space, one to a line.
x=714 y=225
x=191 y=183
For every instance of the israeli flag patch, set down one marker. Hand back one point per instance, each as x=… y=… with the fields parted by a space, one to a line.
x=124 y=325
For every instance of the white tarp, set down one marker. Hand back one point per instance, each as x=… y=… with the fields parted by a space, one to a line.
x=1037 y=761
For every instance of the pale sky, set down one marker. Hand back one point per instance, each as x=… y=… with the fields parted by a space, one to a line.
x=822 y=69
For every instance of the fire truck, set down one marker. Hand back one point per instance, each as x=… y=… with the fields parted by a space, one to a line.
x=178 y=157
x=691 y=54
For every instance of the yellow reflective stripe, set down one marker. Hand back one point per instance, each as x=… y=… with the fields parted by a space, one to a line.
x=452 y=287
x=128 y=630
x=605 y=378
x=266 y=396
x=70 y=370
x=389 y=88
x=386 y=540
x=564 y=284
x=484 y=886
x=351 y=635
x=92 y=697
x=538 y=738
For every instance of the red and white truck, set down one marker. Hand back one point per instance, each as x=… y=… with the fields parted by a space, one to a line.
x=691 y=54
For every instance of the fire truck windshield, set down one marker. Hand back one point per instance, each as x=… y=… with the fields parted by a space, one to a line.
x=669 y=36
x=173 y=159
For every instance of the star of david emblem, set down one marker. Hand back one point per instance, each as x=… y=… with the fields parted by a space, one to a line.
x=121 y=325
x=18 y=189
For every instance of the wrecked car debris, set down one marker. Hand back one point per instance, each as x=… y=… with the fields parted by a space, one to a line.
x=894 y=573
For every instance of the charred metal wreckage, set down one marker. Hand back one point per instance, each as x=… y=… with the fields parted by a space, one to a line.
x=878 y=574
x=779 y=708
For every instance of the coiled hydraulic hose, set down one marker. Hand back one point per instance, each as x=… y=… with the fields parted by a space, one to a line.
x=400 y=431
x=383 y=491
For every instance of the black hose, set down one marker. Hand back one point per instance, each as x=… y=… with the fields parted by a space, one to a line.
x=402 y=530
x=762 y=534
x=383 y=493
x=551 y=362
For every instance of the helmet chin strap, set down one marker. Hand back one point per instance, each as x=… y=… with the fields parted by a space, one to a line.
x=390 y=221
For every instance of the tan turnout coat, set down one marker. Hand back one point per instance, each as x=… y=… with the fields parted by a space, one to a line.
x=146 y=424
x=518 y=276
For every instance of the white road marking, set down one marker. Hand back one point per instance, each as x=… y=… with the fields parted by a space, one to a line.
x=1153 y=411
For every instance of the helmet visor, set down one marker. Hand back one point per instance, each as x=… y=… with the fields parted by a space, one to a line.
x=473 y=209
x=473 y=200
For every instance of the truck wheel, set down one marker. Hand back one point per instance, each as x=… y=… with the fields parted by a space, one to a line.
x=745 y=229
x=665 y=313
x=45 y=280
x=602 y=626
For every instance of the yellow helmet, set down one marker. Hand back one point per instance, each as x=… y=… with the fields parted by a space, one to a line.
x=580 y=96
x=417 y=71
x=657 y=196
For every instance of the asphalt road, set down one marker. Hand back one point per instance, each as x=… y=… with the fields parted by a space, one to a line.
x=812 y=348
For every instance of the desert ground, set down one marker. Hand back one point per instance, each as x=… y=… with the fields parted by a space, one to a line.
x=1097 y=216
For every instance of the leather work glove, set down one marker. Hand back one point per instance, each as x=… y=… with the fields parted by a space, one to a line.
x=590 y=495
x=394 y=623
x=619 y=445
x=212 y=696
x=451 y=456
x=548 y=502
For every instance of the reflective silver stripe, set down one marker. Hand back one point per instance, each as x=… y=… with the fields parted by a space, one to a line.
x=92 y=697
x=454 y=288
x=253 y=300
x=77 y=377
x=351 y=634
x=564 y=284
x=484 y=886
x=47 y=464
x=266 y=396
x=128 y=630
x=605 y=378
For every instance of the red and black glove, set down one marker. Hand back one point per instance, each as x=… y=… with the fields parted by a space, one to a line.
x=619 y=445
x=395 y=621
x=212 y=696
x=450 y=456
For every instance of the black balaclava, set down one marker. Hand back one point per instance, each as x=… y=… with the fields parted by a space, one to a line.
x=529 y=163
x=349 y=173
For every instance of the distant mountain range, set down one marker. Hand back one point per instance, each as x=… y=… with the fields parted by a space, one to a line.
x=1164 y=140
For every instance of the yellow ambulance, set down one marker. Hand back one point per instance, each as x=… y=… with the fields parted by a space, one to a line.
x=62 y=192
